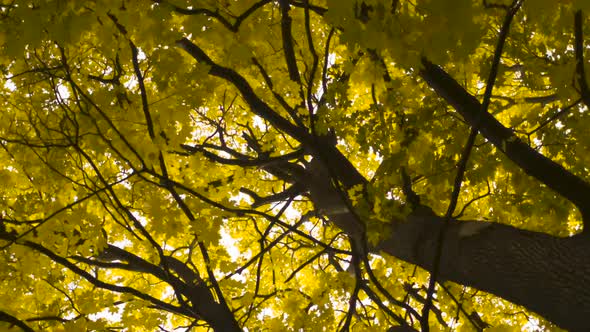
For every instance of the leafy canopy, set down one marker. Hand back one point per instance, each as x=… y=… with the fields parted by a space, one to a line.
x=123 y=158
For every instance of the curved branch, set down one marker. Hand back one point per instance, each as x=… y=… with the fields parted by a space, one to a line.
x=257 y=106
x=104 y=285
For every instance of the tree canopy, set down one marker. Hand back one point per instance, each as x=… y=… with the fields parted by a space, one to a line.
x=294 y=165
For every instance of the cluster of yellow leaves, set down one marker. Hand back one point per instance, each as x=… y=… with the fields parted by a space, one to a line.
x=69 y=149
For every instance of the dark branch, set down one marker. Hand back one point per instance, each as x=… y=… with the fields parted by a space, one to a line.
x=555 y=116
x=304 y=4
x=411 y=196
x=101 y=284
x=464 y=159
x=257 y=106
x=498 y=54
x=292 y=112
x=343 y=170
x=461 y=167
x=528 y=159
x=579 y=51
x=8 y=318
x=288 y=48
x=216 y=15
x=290 y=192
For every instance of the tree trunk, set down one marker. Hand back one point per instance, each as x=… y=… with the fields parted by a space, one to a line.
x=546 y=274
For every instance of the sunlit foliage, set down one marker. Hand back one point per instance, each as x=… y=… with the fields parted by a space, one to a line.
x=159 y=159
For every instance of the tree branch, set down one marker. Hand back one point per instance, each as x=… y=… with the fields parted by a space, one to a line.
x=290 y=192
x=579 y=52
x=292 y=112
x=215 y=14
x=465 y=158
x=288 y=48
x=8 y=318
x=528 y=159
x=101 y=284
x=257 y=106
x=343 y=170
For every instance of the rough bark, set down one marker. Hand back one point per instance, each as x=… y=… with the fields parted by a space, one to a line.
x=546 y=274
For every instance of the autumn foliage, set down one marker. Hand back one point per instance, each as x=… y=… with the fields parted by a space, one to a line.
x=294 y=165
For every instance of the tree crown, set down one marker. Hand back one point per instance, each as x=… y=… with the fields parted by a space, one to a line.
x=240 y=164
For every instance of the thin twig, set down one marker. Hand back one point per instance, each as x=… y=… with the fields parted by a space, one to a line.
x=464 y=158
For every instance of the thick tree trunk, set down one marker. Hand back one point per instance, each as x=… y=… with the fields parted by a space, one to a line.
x=224 y=321
x=548 y=275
